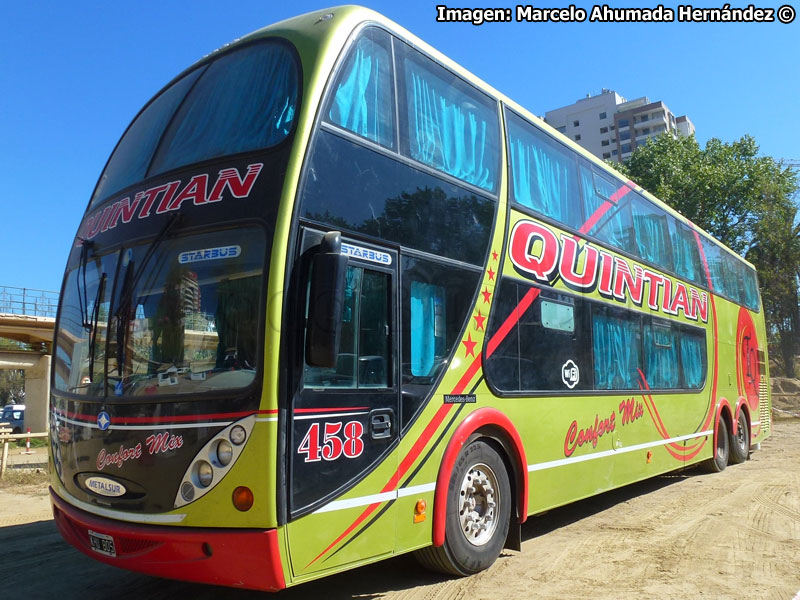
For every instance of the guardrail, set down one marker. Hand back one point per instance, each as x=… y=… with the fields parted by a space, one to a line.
x=28 y=301
x=5 y=437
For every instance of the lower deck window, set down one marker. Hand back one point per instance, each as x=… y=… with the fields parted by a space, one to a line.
x=560 y=342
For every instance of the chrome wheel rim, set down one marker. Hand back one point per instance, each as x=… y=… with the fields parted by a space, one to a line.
x=478 y=504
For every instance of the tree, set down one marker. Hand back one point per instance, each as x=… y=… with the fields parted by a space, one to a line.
x=12 y=386
x=776 y=255
x=744 y=200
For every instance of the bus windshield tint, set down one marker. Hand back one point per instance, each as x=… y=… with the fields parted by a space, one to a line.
x=242 y=101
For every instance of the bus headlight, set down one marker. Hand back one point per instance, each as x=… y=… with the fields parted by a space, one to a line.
x=224 y=453
x=205 y=474
x=238 y=435
x=214 y=460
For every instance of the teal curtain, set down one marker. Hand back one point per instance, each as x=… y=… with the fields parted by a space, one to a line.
x=616 y=353
x=660 y=358
x=692 y=351
x=364 y=97
x=687 y=260
x=427 y=327
x=650 y=233
x=245 y=100
x=132 y=155
x=750 y=287
x=543 y=179
x=448 y=131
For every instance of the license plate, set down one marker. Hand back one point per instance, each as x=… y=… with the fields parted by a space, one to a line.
x=102 y=543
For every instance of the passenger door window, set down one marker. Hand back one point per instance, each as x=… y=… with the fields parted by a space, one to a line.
x=364 y=356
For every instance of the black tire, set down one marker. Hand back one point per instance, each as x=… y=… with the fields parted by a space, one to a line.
x=740 y=443
x=719 y=461
x=473 y=538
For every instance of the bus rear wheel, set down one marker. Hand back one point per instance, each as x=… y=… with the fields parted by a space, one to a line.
x=740 y=443
x=478 y=514
x=720 y=459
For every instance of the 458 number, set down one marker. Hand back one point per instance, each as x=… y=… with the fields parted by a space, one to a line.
x=329 y=441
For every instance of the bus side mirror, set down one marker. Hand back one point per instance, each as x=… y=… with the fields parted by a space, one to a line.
x=325 y=301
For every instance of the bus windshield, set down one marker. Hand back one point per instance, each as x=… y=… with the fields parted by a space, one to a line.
x=243 y=100
x=185 y=319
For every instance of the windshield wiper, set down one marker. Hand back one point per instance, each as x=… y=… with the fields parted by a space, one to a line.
x=83 y=299
x=123 y=310
x=93 y=325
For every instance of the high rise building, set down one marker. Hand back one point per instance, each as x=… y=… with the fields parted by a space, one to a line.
x=611 y=127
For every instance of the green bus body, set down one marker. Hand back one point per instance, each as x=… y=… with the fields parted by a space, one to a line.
x=503 y=289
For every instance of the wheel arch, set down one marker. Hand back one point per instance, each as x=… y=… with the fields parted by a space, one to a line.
x=742 y=406
x=724 y=411
x=488 y=423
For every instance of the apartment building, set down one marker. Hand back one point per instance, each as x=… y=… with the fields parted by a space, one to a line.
x=611 y=127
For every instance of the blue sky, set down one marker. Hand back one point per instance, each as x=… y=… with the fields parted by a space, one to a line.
x=73 y=74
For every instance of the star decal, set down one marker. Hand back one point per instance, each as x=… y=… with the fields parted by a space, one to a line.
x=494 y=255
x=491 y=274
x=470 y=346
x=486 y=294
x=479 y=319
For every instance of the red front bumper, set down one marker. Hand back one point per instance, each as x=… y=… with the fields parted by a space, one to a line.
x=243 y=558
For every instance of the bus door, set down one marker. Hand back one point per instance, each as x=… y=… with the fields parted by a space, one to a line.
x=344 y=424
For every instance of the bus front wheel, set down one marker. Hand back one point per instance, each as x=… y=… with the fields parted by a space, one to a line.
x=478 y=513
x=740 y=443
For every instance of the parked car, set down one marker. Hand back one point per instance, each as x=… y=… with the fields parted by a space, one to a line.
x=14 y=416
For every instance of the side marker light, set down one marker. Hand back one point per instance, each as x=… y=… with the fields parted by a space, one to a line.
x=419 y=511
x=243 y=498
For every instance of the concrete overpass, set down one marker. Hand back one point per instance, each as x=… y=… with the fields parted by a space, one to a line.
x=27 y=323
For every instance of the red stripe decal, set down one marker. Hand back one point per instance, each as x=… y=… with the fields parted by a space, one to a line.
x=163 y=420
x=603 y=208
x=509 y=323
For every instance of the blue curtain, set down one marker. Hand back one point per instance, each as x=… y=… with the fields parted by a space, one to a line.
x=687 y=261
x=750 y=287
x=427 y=327
x=244 y=101
x=135 y=150
x=692 y=351
x=448 y=131
x=616 y=353
x=660 y=358
x=364 y=98
x=734 y=278
x=543 y=179
x=650 y=234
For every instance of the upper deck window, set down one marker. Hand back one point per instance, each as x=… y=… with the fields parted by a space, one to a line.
x=606 y=205
x=244 y=100
x=543 y=173
x=129 y=162
x=651 y=233
x=364 y=99
x=449 y=125
x=687 y=257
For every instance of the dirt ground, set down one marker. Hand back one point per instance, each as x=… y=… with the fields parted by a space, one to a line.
x=687 y=535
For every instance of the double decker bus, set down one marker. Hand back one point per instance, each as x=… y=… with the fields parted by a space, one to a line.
x=335 y=299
